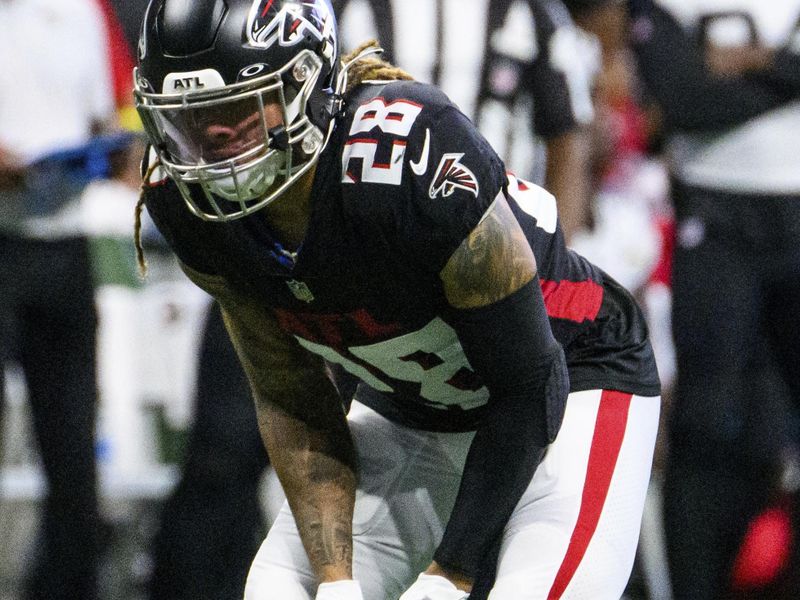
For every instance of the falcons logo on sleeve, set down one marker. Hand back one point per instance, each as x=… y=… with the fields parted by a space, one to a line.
x=451 y=174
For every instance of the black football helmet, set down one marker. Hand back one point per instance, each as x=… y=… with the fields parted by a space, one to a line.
x=237 y=96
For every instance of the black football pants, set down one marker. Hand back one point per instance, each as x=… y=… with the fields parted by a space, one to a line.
x=736 y=311
x=48 y=323
x=212 y=525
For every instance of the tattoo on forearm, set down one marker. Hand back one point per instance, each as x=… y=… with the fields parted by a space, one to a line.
x=317 y=471
x=330 y=542
x=304 y=428
x=323 y=511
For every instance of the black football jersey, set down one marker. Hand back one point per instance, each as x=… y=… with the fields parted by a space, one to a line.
x=517 y=68
x=403 y=180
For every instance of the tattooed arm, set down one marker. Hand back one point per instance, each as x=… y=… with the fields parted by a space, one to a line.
x=493 y=262
x=303 y=426
x=499 y=314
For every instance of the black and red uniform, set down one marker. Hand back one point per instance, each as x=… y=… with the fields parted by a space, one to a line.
x=364 y=291
x=403 y=181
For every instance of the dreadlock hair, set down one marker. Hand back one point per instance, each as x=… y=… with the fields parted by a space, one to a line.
x=137 y=222
x=365 y=68
x=370 y=67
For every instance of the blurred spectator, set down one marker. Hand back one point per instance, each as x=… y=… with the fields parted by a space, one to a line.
x=54 y=94
x=212 y=524
x=628 y=187
x=630 y=232
x=517 y=68
x=631 y=218
x=726 y=76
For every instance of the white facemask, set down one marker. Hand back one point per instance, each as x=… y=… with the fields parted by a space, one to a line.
x=253 y=182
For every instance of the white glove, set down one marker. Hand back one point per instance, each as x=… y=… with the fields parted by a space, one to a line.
x=433 y=587
x=345 y=589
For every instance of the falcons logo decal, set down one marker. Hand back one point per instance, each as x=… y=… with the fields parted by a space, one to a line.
x=451 y=174
x=286 y=23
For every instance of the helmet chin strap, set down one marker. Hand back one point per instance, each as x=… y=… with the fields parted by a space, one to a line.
x=279 y=138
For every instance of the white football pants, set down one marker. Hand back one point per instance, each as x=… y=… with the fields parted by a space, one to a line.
x=573 y=534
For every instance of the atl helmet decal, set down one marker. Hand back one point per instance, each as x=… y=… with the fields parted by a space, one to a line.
x=451 y=174
x=287 y=23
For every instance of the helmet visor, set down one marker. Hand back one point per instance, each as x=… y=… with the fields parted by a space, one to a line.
x=215 y=131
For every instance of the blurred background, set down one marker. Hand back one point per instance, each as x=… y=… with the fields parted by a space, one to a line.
x=130 y=467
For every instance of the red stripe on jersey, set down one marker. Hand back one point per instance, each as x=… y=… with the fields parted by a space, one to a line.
x=577 y=301
x=361 y=141
x=609 y=431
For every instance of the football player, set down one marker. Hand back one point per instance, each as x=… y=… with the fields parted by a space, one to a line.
x=501 y=434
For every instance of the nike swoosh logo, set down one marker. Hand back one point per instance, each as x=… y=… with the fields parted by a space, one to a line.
x=420 y=167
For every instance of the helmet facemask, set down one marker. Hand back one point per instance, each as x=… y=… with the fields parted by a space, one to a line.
x=244 y=144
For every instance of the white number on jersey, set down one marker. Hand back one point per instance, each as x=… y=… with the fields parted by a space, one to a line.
x=395 y=118
x=536 y=201
x=431 y=357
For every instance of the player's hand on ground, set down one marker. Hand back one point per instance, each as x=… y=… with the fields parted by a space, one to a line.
x=346 y=589
x=433 y=587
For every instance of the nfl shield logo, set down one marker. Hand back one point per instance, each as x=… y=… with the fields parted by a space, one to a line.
x=300 y=290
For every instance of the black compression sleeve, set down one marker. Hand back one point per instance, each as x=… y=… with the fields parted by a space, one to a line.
x=510 y=344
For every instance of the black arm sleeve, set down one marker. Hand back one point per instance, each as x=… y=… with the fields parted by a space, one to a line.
x=510 y=344
x=671 y=65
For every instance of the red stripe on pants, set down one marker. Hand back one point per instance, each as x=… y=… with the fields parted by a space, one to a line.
x=609 y=430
